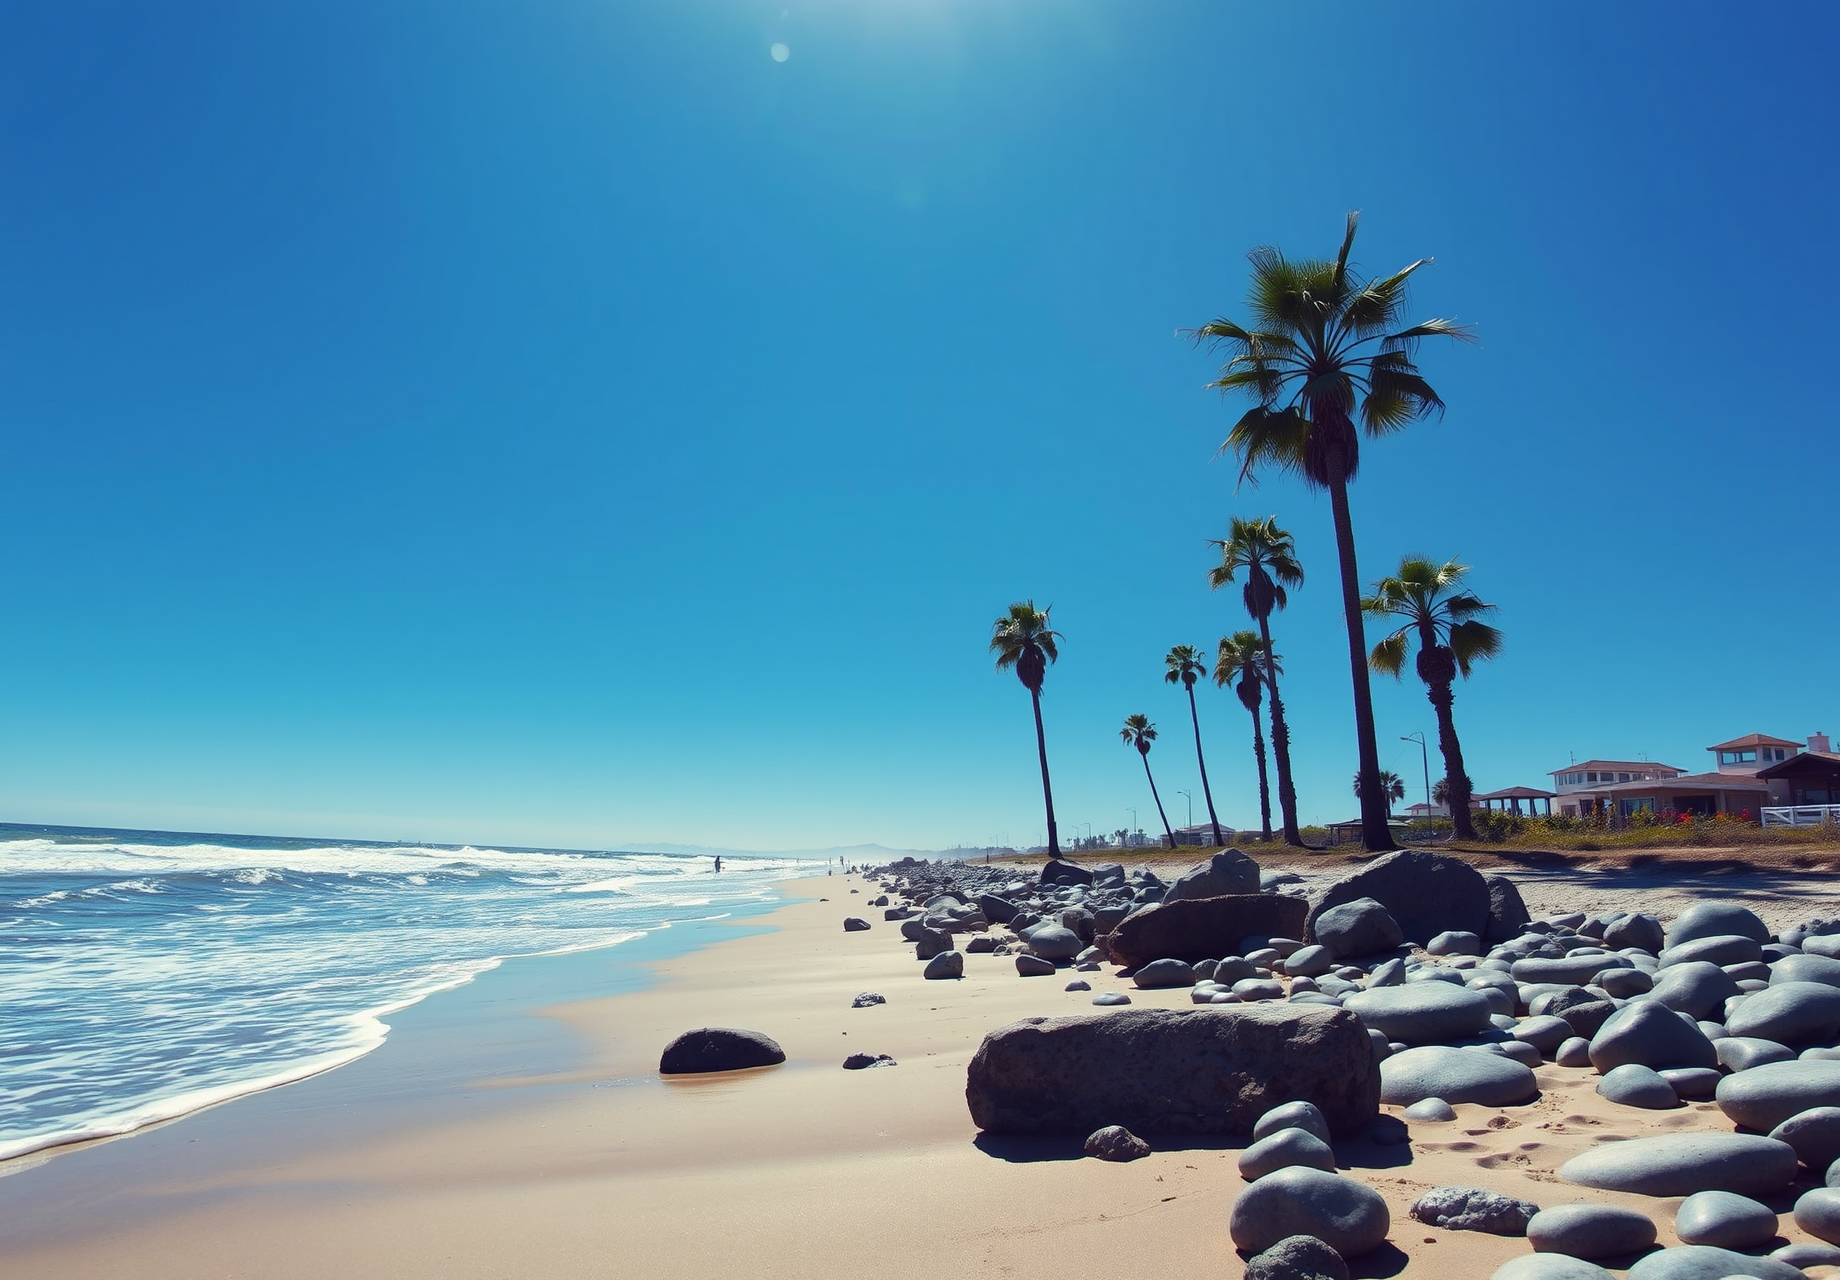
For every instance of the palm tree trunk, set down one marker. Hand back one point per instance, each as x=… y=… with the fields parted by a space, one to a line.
x=1375 y=833
x=1258 y=749
x=1145 y=756
x=1200 y=760
x=1047 y=792
x=1280 y=741
x=1457 y=781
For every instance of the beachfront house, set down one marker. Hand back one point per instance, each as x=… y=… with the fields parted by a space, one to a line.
x=1736 y=786
x=1522 y=800
x=1804 y=785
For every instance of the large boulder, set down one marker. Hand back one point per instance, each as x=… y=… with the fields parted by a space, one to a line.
x=719 y=1049
x=1207 y=1069
x=1651 y=1035
x=1455 y=1075
x=1422 y=1012
x=1716 y=919
x=1058 y=872
x=1426 y=893
x=1763 y=1097
x=1507 y=913
x=1794 y=1013
x=1227 y=872
x=1203 y=928
x=1678 y=1164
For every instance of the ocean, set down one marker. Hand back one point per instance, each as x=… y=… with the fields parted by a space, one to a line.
x=147 y=974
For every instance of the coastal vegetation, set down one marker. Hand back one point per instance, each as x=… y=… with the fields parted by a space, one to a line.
x=1391 y=791
x=1023 y=639
x=1244 y=658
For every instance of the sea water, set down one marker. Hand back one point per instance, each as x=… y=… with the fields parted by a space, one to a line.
x=145 y=974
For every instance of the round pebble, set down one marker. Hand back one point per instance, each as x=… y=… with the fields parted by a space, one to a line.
x=1723 y=1219
x=1433 y=1110
x=1818 y=1213
x=1349 y=1216
x=1590 y=1230
x=1285 y=1149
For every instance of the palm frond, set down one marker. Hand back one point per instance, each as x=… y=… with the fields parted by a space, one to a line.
x=1472 y=642
x=1396 y=396
x=1266 y=436
x=1389 y=656
x=1376 y=308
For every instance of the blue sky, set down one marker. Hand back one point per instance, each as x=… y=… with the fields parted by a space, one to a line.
x=563 y=423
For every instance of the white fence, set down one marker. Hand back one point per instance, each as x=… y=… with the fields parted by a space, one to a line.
x=1801 y=815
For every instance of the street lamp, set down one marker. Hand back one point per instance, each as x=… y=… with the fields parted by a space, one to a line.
x=1191 y=805
x=1133 y=824
x=1424 y=759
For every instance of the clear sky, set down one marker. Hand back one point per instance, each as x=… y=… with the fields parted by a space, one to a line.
x=567 y=423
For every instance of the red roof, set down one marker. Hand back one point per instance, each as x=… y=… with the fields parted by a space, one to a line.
x=1752 y=740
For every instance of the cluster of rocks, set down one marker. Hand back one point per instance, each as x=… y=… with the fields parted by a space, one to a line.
x=1418 y=982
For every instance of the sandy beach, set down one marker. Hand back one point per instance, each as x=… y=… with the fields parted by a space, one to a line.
x=589 y=1163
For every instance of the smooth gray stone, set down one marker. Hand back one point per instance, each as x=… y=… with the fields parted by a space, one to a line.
x=1055 y=942
x=1575 y=1052
x=1806 y=969
x=1255 y=989
x=1741 y=1053
x=1434 y=973
x=1164 y=973
x=1636 y=931
x=1795 y=1013
x=947 y=964
x=1590 y=1230
x=1572 y=970
x=1455 y=1075
x=1815 y=1135
x=1765 y=1096
x=1694 y=1083
x=1624 y=983
x=1390 y=974
x=1818 y=1213
x=1034 y=967
x=1107 y=998
x=1651 y=1035
x=1678 y=1164
x=1297 y=1258
x=1348 y=1216
x=1431 y=1110
x=1230 y=969
x=1422 y=1012
x=1696 y=987
x=1550 y=1266
x=1228 y=872
x=1520 y=1051
x=1455 y=942
x=1285 y=1149
x=1819 y=1054
x=1292 y=1115
x=1822 y=945
x=1730 y=949
x=1809 y=1253
x=1634 y=1085
x=1360 y=927
x=1713 y=1031
x=1750 y=971
x=1473 y=1209
x=1716 y=919
x=1382 y=1046
x=1309 y=962
x=1545 y=1033
x=1724 y=1219
x=1706 y=1262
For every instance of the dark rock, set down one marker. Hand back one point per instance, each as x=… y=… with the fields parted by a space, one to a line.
x=1724 y=1219
x=861 y=1061
x=1590 y=1230
x=996 y=909
x=1053 y=942
x=1473 y=1209
x=1200 y=929
x=1357 y=928
x=1078 y=984
x=1586 y=1013
x=1117 y=1143
x=719 y=1049
x=1035 y=967
x=1057 y=871
x=1297 y=1258
x=1207 y=1069
x=1426 y=893
x=897 y=913
x=931 y=943
x=866 y=999
x=981 y=945
x=854 y=924
x=947 y=964
x=1348 y=1216
x=1422 y=1012
x=1635 y=931
x=1507 y=913
x=1228 y=872
x=1164 y=973
x=1651 y=1035
x=1678 y=1164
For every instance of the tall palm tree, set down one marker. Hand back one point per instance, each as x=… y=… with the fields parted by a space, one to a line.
x=1269 y=558
x=1325 y=347
x=1140 y=733
x=1243 y=656
x=1430 y=605
x=1186 y=665
x=1023 y=639
x=1392 y=789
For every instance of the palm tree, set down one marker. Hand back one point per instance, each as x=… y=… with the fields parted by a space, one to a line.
x=1269 y=558
x=1391 y=789
x=1022 y=639
x=1325 y=346
x=1428 y=601
x=1140 y=733
x=1186 y=665
x=1242 y=655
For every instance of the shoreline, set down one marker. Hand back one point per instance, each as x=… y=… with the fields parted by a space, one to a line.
x=802 y=1170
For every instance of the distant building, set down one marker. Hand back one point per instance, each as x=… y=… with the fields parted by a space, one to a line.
x=1805 y=777
x=1736 y=787
x=1527 y=800
x=1588 y=775
x=1752 y=752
